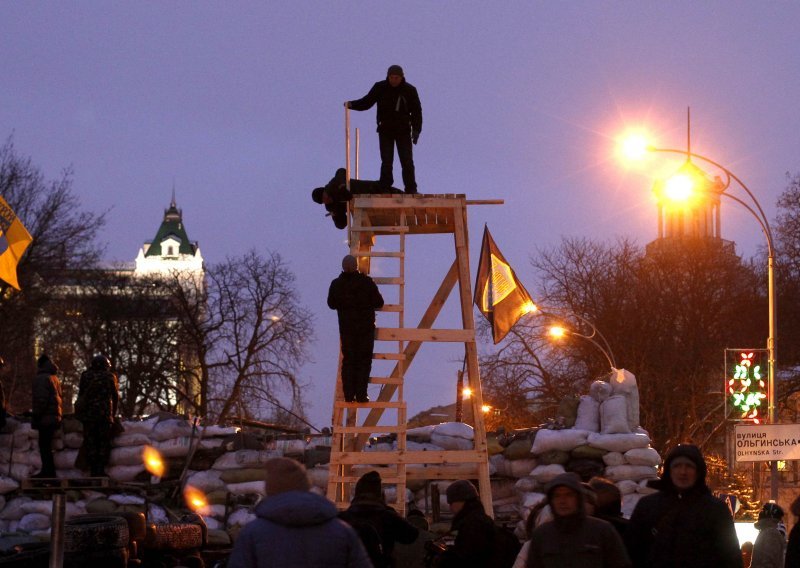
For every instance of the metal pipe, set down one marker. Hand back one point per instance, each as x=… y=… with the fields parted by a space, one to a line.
x=358 y=146
x=57 y=533
x=347 y=145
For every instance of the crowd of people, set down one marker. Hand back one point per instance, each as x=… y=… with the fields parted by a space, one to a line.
x=579 y=524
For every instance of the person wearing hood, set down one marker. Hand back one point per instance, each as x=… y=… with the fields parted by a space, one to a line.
x=295 y=528
x=378 y=525
x=355 y=297
x=683 y=524
x=770 y=545
x=474 y=542
x=335 y=195
x=96 y=407
x=608 y=505
x=399 y=123
x=46 y=412
x=573 y=539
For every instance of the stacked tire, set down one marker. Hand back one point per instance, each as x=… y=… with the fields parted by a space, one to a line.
x=96 y=540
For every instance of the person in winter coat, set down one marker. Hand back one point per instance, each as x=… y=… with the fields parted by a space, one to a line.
x=335 y=195
x=608 y=505
x=399 y=123
x=378 y=525
x=683 y=524
x=573 y=539
x=47 y=413
x=295 y=528
x=770 y=545
x=355 y=297
x=793 y=546
x=474 y=543
x=96 y=407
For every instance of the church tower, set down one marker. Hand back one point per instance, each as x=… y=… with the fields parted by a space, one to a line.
x=171 y=248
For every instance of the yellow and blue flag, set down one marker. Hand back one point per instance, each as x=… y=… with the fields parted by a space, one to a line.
x=14 y=239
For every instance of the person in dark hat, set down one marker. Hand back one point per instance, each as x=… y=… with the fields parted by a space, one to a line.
x=770 y=546
x=355 y=297
x=399 y=123
x=295 y=528
x=573 y=538
x=335 y=195
x=378 y=525
x=683 y=524
x=474 y=543
x=47 y=412
x=96 y=407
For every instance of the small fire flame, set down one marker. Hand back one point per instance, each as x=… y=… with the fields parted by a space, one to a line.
x=153 y=462
x=196 y=500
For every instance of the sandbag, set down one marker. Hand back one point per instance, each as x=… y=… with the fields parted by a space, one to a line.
x=212 y=524
x=627 y=486
x=247 y=488
x=614 y=415
x=421 y=433
x=544 y=473
x=13 y=509
x=217 y=497
x=633 y=472
x=126 y=455
x=131 y=439
x=600 y=390
x=124 y=472
x=624 y=382
x=526 y=484
x=206 y=481
x=73 y=440
x=521 y=468
x=588 y=452
x=493 y=445
x=644 y=487
x=34 y=522
x=585 y=468
x=554 y=456
x=240 y=517
x=643 y=456
x=175 y=447
x=21 y=471
x=157 y=514
x=451 y=442
x=422 y=446
x=502 y=489
x=530 y=500
x=567 y=411
x=214 y=430
x=243 y=475
x=618 y=442
x=519 y=449
x=458 y=429
x=629 y=504
x=588 y=416
x=501 y=465
x=614 y=458
x=244 y=458
x=140 y=426
x=558 y=440
x=171 y=428
x=319 y=476
x=211 y=443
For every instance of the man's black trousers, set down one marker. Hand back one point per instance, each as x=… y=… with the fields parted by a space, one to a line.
x=356 y=363
x=46 y=434
x=387 y=141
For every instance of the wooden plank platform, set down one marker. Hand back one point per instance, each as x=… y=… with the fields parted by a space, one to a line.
x=38 y=484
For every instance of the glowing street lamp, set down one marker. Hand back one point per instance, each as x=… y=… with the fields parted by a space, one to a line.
x=755 y=209
x=558 y=332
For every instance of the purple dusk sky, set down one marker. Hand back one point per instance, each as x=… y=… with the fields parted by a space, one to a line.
x=239 y=104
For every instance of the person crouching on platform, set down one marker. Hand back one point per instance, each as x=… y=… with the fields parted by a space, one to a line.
x=355 y=297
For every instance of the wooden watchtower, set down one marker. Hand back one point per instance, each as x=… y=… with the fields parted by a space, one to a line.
x=374 y=218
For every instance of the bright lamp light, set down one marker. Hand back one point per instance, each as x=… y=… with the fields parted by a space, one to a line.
x=634 y=146
x=557 y=332
x=679 y=187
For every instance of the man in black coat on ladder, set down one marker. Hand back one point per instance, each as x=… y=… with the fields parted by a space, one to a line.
x=355 y=297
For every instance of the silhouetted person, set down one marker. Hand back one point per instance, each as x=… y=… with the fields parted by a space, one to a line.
x=683 y=524
x=474 y=544
x=378 y=525
x=46 y=395
x=770 y=545
x=399 y=123
x=96 y=407
x=355 y=297
x=335 y=195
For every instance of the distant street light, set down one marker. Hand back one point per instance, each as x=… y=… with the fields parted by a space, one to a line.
x=690 y=185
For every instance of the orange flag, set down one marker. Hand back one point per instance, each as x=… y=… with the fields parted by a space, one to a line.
x=16 y=239
x=498 y=294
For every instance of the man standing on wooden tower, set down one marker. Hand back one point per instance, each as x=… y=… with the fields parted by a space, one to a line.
x=399 y=122
x=355 y=297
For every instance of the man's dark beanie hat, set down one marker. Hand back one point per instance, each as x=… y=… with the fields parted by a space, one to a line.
x=316 y=194
x=461 y=490
x=395 y=70
x=369 y=485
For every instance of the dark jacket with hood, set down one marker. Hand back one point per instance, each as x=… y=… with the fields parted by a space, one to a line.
x=297 y=529
x=46 y=395
x=770 y=545
x=685 y=529
x=399 y=109
x=355 y=297
x=340 y=195
x=474 y=544
x=575 y=541
x=370 y=510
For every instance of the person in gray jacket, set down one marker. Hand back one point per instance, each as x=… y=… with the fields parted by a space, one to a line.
x=295 y=528
x=770 y=546
x=573 y=539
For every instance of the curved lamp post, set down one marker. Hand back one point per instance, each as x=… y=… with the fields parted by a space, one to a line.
x=760 y=216
x=558 y=331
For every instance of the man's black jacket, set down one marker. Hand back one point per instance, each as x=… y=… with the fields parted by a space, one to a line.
x=355 y=297
x=399 y=109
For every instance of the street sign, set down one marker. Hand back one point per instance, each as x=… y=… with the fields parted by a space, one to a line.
x=767 y=442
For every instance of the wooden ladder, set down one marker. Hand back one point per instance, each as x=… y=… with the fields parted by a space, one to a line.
x=397 y=216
